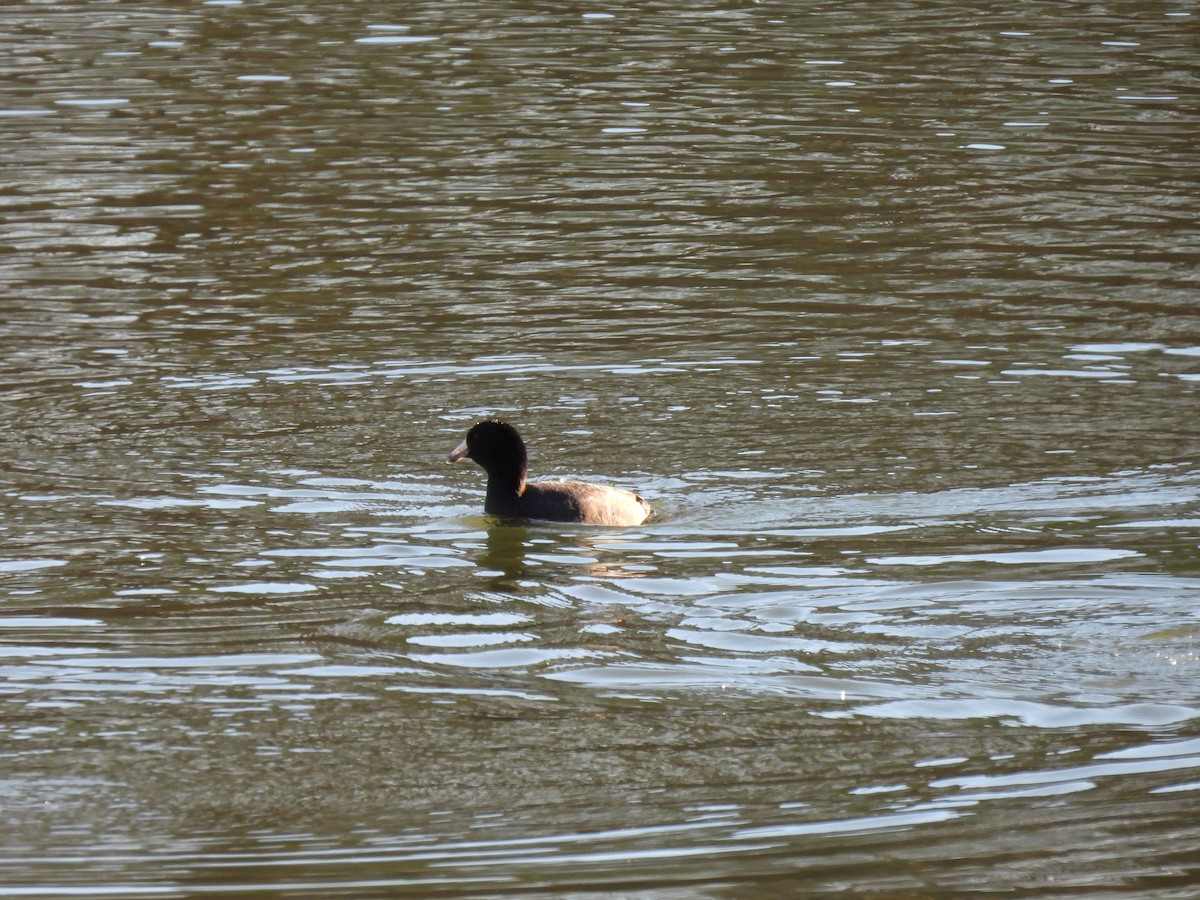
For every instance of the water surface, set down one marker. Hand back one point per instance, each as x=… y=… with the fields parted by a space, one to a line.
x=890 y=311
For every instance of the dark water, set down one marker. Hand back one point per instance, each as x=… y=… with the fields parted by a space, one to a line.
x=890 y=309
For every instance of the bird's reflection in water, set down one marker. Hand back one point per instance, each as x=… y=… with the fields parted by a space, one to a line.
x=514 y=550
x=623 y=566
x=504 y=552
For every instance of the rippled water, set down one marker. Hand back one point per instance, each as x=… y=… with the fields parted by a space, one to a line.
x=890 y=310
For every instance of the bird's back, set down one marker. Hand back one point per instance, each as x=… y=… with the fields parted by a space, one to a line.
x=581 y=501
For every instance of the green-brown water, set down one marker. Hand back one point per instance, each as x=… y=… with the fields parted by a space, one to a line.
x=890 y=309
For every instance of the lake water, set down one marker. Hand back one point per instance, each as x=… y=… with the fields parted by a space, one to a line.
x=891 y=310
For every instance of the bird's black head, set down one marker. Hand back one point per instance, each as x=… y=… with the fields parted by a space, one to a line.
x=494 y=445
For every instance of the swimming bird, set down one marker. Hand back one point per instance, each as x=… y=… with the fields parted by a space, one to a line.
x=498 y=447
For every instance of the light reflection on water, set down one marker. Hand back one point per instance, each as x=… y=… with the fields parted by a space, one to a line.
x=1049 y=609
x=900 y=344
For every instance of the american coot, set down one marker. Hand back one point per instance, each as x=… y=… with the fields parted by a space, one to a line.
x=499 y=449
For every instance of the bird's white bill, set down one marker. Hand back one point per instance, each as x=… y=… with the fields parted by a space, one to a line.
x=457 y=453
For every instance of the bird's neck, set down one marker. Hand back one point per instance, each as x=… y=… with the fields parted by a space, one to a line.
x=503 y=489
